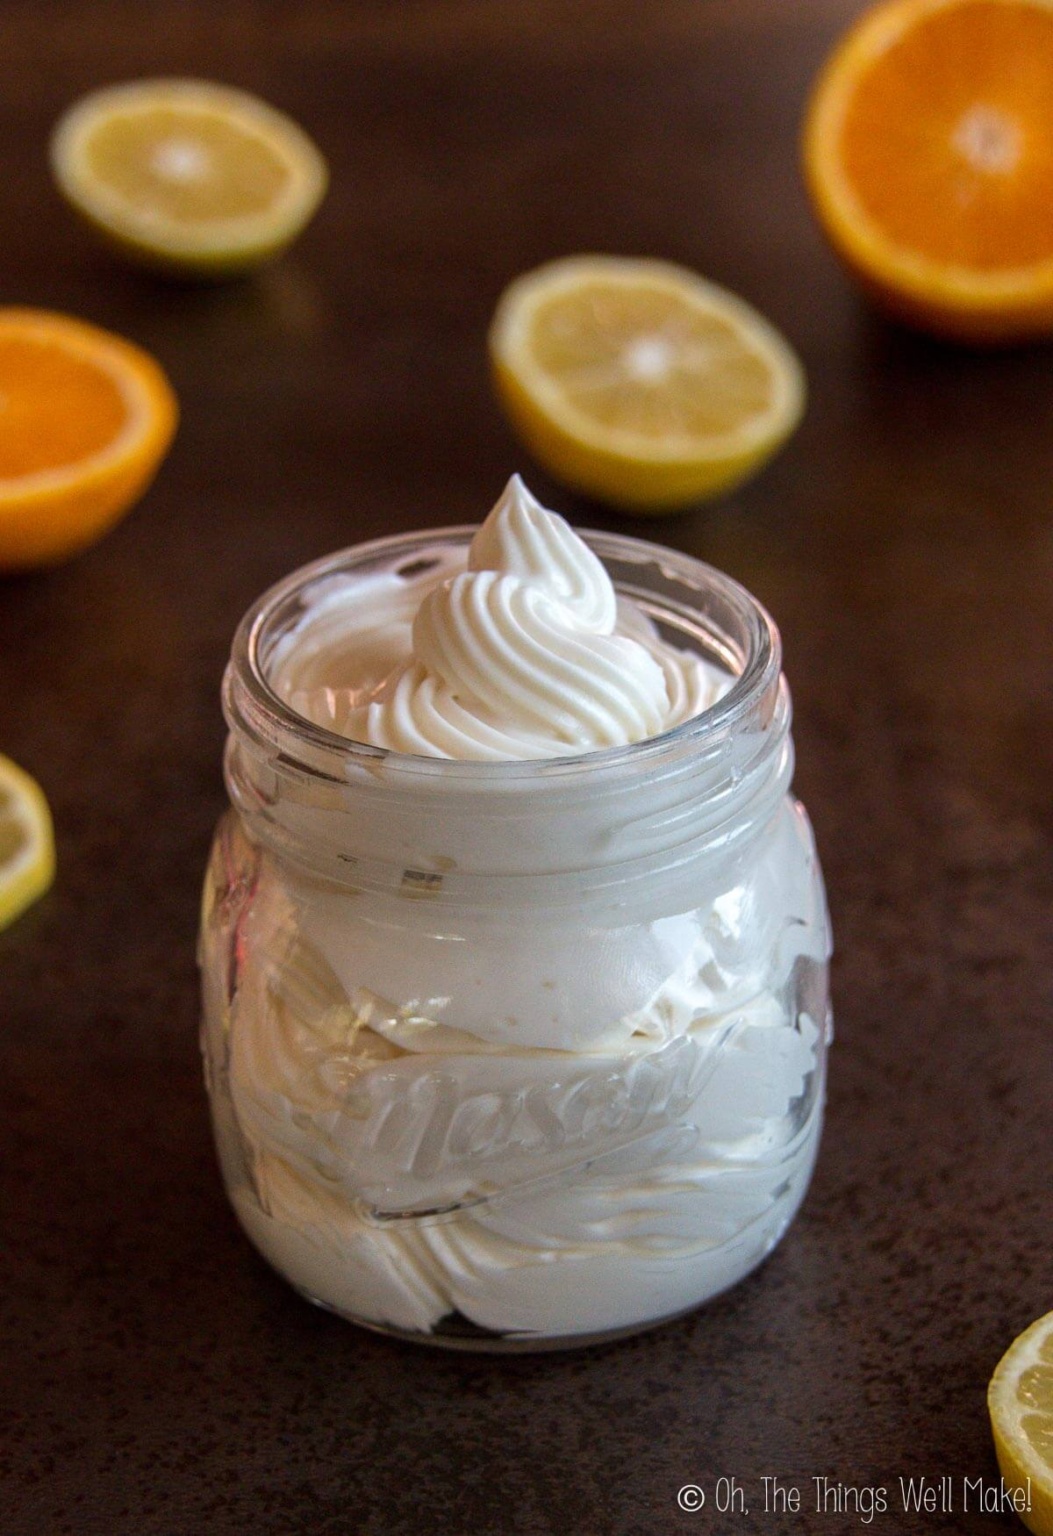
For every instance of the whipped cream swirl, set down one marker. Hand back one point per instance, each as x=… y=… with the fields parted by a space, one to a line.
x=528 y=653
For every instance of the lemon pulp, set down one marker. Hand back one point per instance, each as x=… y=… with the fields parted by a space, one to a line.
x=27 y=846
x=1020 y=1402
x=640 y=382
x=188 y=174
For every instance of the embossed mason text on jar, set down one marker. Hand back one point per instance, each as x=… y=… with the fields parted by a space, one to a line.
x=521 y=1053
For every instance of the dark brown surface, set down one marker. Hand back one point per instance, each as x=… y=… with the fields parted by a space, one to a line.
x=158 y=1378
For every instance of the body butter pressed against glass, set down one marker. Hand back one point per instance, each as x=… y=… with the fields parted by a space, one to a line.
x=514 y=941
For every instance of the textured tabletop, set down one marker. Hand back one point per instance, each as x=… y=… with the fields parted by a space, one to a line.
x=157 y=1378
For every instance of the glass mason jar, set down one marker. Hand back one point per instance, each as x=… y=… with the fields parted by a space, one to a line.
x=516 y=1055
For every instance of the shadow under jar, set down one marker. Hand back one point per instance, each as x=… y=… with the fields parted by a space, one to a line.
x=516 y=1055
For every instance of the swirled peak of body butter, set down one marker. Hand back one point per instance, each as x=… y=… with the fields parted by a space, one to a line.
x=525 y=652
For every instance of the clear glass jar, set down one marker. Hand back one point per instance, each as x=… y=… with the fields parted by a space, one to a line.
x=516 y=1055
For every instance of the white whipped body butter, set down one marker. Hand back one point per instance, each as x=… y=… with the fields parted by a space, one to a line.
x=514 y=945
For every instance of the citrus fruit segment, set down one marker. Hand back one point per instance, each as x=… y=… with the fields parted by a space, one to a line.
x=85 y=419
x=928 y=151
x=186 y=174
x=1020 y=1401
x=640 y=382
x=27 y=844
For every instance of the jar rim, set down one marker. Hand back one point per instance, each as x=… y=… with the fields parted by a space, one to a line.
x=268 y=717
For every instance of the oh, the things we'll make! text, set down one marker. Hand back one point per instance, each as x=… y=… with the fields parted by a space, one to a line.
x=862 y=1502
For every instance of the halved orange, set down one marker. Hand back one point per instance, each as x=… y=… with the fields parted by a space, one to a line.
x=85 y=419
x=928 y=154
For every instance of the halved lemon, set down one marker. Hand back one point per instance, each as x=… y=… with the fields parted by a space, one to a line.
x=1020 y=1401
x=188 y=175
x=641 y=383
x=27 y=843
x=85 y=419
x=928 y=149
